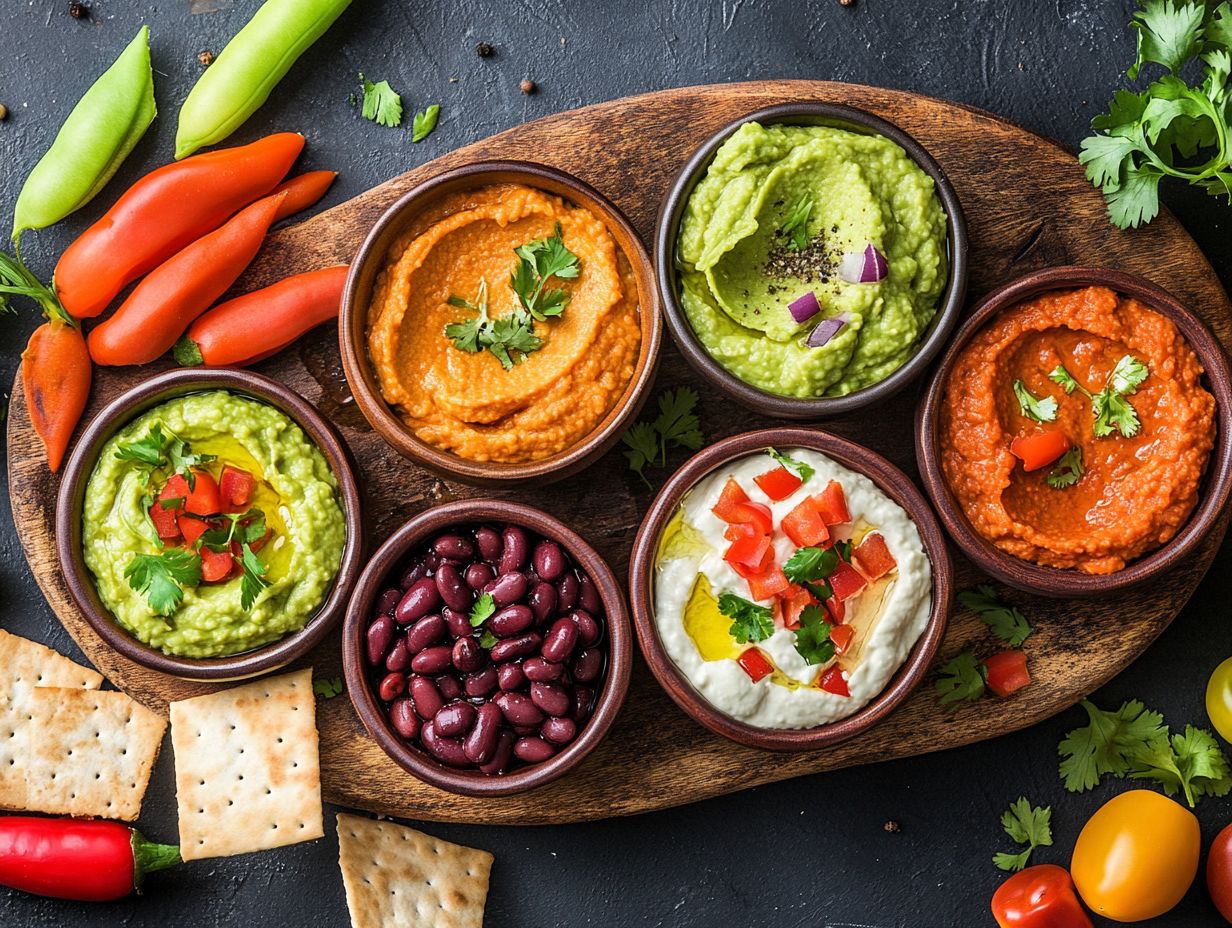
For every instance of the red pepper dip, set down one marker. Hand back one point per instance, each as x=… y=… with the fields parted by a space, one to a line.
x=1075 y=429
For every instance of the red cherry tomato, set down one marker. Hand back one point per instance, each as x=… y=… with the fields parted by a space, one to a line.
x=1219 y=873
x=1039 y=897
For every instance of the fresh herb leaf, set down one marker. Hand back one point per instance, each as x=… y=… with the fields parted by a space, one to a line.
x=509 y=339
x=171 y=502
x=148 y=450
x=1192 y=763
x=809 y=564
x=538 y=262
x=750 y=622
x=677 y=426
x=483 y=609
x=1067 y=471
x=802 y=470
x=1168 y=34
x=425 y=122
x=1066 y=380
x=1109 y=744
x=813 y=637
x=1113 y=412
x=328 y=688
x=795 y=226
x=1040 y=410
x=961 y=678
x=161 y=578
x=844 y=548
x=382 y=104
x=183 y=460
x=147 y=503
x=643 y=443
x=252 y=581
x=1128 y=375
x=487 y=639
x=1003 y=620
x=1025 y=824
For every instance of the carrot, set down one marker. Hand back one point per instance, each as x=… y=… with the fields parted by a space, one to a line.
x=55 y=376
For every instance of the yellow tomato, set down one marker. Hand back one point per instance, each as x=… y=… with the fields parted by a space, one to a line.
x=1219 y=699
x=1136 y=856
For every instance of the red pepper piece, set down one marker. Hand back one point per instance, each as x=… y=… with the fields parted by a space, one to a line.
x=749 y=551
x=204 y=498
x=846 y=581
x=842 y=635
x=768 y=585
x=832 y=681
x=832 y=504
x=1007 y=672
x=873 y=556
x=1039 y=450
x=215 y=565
x=732 y=496
x=779 y=483
x=236 y=486
x=755 y=664
x=805 y=526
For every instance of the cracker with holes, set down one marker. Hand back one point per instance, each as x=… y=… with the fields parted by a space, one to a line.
x=397 y=877
x=26 y=665
x=247 y=770
x=90 y=752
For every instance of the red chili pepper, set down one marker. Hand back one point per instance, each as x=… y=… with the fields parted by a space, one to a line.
x=1039 y=897
x=55 y=376
x=90 y=861
x=303 y=191
x=165 y=212
x=163 y=305
x=254 y=326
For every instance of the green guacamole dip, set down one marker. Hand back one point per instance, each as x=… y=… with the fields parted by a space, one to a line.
x=296 y=490
x=739 y=272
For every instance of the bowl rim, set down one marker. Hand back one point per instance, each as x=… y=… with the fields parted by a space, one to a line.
x=352 y=325
x=80 y=467
x=1217 y=479
x=891 y=481
x=608 y=702
x=667 y=231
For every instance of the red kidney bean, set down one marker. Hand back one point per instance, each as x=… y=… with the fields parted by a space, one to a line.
x=533 y=750
x=388 y=601
x=583 y=703
x=489 y=542
x=450 y=687
x=425 y=696
x=510 y=677
x=588 y=594
x=418 y=601
x=481 y=683
x=428 y=630
x=468 y=656
x=392 y=686
x=480 y=744
x=542 y=601
x=559 y=730
x=403 y=718
x=508 y=588
x=523 y=730
x=587 y=666
x=455 y=719
x=501 y=756
x=512 y=620
x=478 y=575
x=515 y=549
x=432 y=660
x=454 y=547
x=452 y=587
x=559 y=642
x=398 y=658
x=512 y=648
x=459 y=623
x=380 y=636
x=446 y=750
x=567 y=589
x=588 y=628
x=551 y=698
x=413 y=574
x=518 y=709
x=540 y=671
x=549 y=561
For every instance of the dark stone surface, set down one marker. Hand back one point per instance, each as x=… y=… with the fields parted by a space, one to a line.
x=810 y=852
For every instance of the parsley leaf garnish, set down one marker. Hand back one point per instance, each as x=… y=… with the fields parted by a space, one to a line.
x=1025 y=824
x=164 y=449
x=425 y=122
x=483 y=609
x=1113 y=412
x=539 y=261
x=676 y=426
x=810 y=564
x=161 y=578
x=795 y=226
x=750 y=622
x=487 y=639
x=813 y=637
x=1066 y=380
x=509 y=339
x=1006 y=622
x=1040 y=410
x=961 y=678
x=148 y=450
x=843 y=548
x=1067 y=471
x=252 y=581
x=328 y=688
x=382 y=104
x=802 y=470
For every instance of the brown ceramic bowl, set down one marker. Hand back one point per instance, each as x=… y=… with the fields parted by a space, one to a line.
x=667 y=232
x=120 y=412
x=353 y=325
x=892 y=482
x=376 y=576
x=1052 y=581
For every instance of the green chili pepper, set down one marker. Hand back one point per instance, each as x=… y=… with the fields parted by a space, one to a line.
x=243 y=75
x=99 y=133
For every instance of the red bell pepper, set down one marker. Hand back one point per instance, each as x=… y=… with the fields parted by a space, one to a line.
x=204 y=498
x=842 y=635
x=779 y=483
x=757 y=570
x=1039 y=897
x=755 y=664
x=749 y=551
x=846 y=581
x=768 y=585
x=732 y=496
x=1039 y=450
x=832 y=504
x=1007 y=672
x=215 y=565
x=795 y=600
x=836 y=610
x=873 y=556
x=191 y=528
x=805 y=526
x=832 y=681
x=235 y=487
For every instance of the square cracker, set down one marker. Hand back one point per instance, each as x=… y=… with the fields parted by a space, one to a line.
x=89 y=752
x=247 y=768
x=397 y=877
x=25 y=665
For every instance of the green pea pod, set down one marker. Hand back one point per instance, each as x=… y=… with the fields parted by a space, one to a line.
x=245 y=73
x=99 y=133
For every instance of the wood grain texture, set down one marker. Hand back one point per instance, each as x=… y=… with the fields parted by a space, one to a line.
x=1028 y=206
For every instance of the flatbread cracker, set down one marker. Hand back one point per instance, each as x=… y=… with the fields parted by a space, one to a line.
x=89 y=752
x=25 y=665
x=397 y=877
x=247 y=768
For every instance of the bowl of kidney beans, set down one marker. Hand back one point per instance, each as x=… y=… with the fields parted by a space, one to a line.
x=487 y=647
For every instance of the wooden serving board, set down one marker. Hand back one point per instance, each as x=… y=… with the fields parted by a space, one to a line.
x=1028 y=206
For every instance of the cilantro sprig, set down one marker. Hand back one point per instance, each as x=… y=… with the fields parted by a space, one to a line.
x=750 y=622
x=163 y=450
x=483 y=609
x=161 y=577
x=1025 y=824
x=962 y=678
x=328 y=688
x=813 y=637
x=509 y=339
x=802 y=470
x=540 y=261
x=1067 y=471
x=382 y=104
x=424 y=122
x=1033 y=407
x=1113 y=411
x=676 y=426
x=1003 y=620
x=795 y=226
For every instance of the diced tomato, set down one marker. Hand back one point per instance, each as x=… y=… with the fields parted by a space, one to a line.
x=832 y=681
x=779 y=483
x=732 y=496
x=836 y=609
x=795 y=600
x=767 y=562
x=756 y=514
x=841 y=635
x=192 y=529
x=739 y=530
x=832 y=504
x=805 y=526
x=261 y=542
x=164 y=522
x=846 y=581
x=235 y=486
x=873 y=556
x=749 y=551
x=215 y=565
x=176 y=488
x=770 y=584
x=1007 y=672
x=755 y=664
x=204 y=498
x=1039 y=450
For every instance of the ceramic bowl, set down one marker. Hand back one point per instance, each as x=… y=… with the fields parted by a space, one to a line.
x=1051 y=581
x=376 y=577
x=368 y=263
x=667 y=232
x=892 y=482
x=77 y=472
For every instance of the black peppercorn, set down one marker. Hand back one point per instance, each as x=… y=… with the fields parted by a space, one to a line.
x=484 y=50
x=78 y=10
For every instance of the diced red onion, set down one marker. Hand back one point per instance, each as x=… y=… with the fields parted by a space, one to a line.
x=826 y=330
x=865 y=267
x=805 y=307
